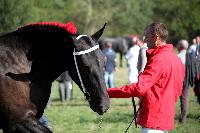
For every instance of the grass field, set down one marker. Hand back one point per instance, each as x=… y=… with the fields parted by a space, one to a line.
x=75 y=116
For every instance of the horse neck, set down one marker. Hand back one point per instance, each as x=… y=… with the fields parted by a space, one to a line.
x=13 y=55
x=52 y=66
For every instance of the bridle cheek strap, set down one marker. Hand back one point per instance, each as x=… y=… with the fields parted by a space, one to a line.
x=79 y=75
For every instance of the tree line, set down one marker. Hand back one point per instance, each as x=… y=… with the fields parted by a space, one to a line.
x=124 y=17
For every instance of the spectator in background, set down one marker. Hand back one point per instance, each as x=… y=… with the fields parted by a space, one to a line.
x=132 y=59
x=190 y=74
x=159 y=85
x=192 y=48
x=197 y=81
x=182 y=49
x=198 y=46
x=142 y=58
x=110 y=65
x=65 y=86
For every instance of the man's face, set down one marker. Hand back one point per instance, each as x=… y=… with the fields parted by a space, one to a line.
x=149 y=39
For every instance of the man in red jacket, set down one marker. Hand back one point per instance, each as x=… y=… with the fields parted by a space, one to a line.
x=159 y=85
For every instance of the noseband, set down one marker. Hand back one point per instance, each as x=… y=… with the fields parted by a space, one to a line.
x=87 y=95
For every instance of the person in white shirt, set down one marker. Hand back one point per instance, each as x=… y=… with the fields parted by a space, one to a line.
x=132 y=59
x=193 y=47
x=142 y=58
x=186 y=60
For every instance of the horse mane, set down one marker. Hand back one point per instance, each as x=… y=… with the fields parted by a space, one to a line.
x=70 y=28
x=42 y=42
x=32 y=32
x=45 y=33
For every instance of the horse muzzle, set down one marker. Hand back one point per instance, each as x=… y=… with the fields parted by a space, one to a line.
x=101 y=109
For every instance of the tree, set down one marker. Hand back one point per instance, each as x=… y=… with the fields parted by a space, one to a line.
x=123 y=17
x=14 y=13
x=182 y=18
x=131 y=16
x=89 y=15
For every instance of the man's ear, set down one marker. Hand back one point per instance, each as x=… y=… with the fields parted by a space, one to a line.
x=98 y=34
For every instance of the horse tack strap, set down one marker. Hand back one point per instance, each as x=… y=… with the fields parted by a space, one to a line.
x=78 y=37
x=86 y=51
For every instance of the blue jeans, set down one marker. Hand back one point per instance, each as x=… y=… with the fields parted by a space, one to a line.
x=44 y=121
x=109 y=79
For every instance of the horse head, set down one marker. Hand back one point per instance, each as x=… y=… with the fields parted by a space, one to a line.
x=66 y=51
x=89 y=70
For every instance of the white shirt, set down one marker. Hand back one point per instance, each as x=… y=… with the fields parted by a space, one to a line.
x=132 y=59
x=193 y=49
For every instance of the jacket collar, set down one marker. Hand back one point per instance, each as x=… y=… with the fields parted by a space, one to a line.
x=167 y=47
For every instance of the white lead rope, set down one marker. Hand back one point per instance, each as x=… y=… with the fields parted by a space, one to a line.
x=79 y=75
x=100 y=122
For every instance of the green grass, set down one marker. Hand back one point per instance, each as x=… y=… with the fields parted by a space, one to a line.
x=75 y=116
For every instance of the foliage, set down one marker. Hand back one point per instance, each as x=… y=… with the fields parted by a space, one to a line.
x=131 y=16
x=123 y=16
x=14 y=13
x=182 y=17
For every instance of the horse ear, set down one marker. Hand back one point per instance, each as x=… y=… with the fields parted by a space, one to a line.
x=98 y=34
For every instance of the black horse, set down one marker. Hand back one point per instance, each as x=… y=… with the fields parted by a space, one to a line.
x=31 y=58
x=119 y=44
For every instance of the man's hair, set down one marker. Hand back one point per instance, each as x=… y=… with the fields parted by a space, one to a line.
x=158 y=28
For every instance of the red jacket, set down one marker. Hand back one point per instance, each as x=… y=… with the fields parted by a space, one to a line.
x=158 y=87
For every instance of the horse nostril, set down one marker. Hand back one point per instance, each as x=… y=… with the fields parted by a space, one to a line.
x=102 y=109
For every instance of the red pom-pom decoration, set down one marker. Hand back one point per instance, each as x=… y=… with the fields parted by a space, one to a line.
x=71 y=28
